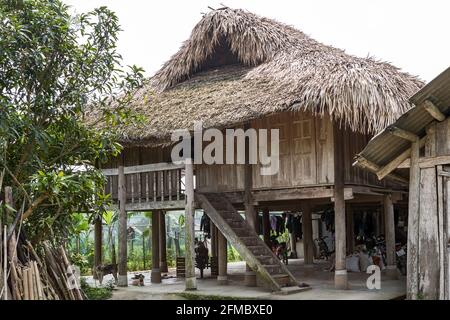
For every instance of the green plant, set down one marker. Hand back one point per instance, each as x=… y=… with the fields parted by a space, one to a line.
x=93 y=293
x=56 y=72
x=233 y=255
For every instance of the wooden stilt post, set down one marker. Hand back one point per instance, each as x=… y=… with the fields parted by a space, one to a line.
x=413 y=224
x=162 y=242
x=214 y=251
x=250 y=213
x=340 y=275
x=213 y=240
x=98 y=237
x=266 y=226
x=308 y=244
x=391 y=269
x=222 y=278
x=293 y=239
x=350 y=229
x=156 y=271
x=123 y=276
x=191 y=283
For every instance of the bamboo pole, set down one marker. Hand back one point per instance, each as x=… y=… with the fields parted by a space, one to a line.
x=5 y=264
x=26 y=291
x=30 y=283
x=38 y=281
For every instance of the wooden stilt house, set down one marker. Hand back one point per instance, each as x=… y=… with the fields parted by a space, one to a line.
x=240 y=70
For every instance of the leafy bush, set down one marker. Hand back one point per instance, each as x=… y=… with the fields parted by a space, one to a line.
x=100 y=293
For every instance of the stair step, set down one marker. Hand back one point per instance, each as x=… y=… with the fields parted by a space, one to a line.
x=291 y=290
x=234 y=223
x=282 y=279
x=272 y=268
x=242 y=232
x=265 y=259
x=249 y=240
x=228 y=214
x=257 y=250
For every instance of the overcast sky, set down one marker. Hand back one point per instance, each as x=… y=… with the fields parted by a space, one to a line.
x=413 y=35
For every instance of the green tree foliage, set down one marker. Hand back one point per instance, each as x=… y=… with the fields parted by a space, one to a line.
x=56 y=71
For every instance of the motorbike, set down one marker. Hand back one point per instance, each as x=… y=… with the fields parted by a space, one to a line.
x=324 y=252
x=401 y=252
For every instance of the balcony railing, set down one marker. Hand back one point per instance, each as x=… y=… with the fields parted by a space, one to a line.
x=150 y=186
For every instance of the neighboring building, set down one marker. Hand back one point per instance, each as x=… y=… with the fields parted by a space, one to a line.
x=419 y=141
x=239 y=70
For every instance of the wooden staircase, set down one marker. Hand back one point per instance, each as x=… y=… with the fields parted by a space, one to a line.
x=248 y=244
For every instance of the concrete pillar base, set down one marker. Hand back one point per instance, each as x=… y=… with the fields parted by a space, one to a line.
x=156 y=276
x=122 y=281
x=163 y=266
x=222 y=280
x=392 y=272
x=340 y=280
x=250 y=279
x=191 y=284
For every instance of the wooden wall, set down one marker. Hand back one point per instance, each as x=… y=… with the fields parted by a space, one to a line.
x=306 y=157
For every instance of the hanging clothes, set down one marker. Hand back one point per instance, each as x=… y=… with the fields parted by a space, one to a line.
x=273 y=222
x=280 y=225
x=297 y=226
x=260 y=224
x=205 y=225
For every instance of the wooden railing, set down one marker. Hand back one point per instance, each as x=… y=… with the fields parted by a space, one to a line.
x=150 y=185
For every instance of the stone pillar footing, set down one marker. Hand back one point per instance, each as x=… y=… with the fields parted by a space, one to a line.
x=340 y=280
x=191 y=284
x=122 y=280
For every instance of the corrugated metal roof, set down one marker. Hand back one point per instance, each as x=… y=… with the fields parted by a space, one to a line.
x=385 y=147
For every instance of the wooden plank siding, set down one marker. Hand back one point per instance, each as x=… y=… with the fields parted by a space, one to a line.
x=306 y=157
x=306 y=160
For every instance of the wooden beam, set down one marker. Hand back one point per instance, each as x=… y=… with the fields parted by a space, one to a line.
x=162 y=243
x=389 y=227
x=412 y=281
x=155 y=276
x=308 y=242
x=340 y=275
x=348 y=194
x=363 y=162
x=429 y=162
x=123 y=276
x=190 y=280
x=395 y=163
x=158 y=205
x=433 y=110
x=297 y=193
x=163 y=166
x=222 y=278
x=97 y=244
x=250 y=212
x=404 y=134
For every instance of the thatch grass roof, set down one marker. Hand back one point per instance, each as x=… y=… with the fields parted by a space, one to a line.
x=237 y=66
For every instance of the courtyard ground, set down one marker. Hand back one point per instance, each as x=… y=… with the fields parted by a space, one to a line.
x=321 y=282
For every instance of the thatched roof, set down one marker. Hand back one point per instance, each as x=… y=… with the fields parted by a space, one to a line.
x=237 y=66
